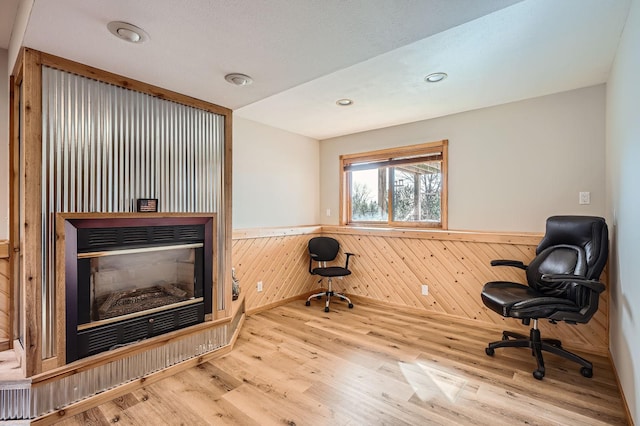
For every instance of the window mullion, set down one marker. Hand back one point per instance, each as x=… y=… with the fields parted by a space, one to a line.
x=390 y=183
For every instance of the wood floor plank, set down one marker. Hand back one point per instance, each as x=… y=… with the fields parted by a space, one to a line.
x=92 y=417
x=271 y=405
x=371 y=365
x=522 y=403
x=204 y=389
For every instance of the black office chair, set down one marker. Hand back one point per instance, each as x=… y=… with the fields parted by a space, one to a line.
x=323 y=250
x=563 y=286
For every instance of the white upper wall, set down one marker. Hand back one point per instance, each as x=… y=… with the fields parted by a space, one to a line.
x=20 y=23
x=275 y=177
x=510 y=166
x=4 y=145
x=623 y=209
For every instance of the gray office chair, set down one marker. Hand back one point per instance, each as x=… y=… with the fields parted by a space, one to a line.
x=323 y=250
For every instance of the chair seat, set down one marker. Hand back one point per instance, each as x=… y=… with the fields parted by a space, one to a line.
x=521 y=301
x=331 y=271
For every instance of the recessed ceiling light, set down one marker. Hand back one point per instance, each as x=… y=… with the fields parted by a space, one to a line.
x=435 y=77
x=344 y=102
x=238 y=79
x=127 y=32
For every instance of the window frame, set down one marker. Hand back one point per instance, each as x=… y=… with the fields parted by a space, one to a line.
x=387 y=155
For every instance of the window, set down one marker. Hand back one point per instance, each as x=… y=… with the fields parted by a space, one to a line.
x=404 y=186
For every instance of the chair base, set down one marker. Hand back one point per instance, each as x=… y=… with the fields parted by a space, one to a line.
x=328 y=294
x=537 y=346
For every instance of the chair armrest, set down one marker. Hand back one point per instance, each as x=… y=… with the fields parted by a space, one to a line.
x=514 y=263
x=311 y=257
x=594 y=285
x=346 y=265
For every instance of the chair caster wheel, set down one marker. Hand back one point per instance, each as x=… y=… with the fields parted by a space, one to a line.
x=505 y=337
x=587 y=372
x=537 y=374
x=489 y=351
x=326 y=309
x=350 y=305
x=307 y=303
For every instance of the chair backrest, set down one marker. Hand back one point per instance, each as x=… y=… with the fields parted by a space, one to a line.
x=325 y=248
x=575 y=245
x=588 y=232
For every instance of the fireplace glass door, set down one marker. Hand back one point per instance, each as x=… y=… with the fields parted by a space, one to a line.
x=133 y=282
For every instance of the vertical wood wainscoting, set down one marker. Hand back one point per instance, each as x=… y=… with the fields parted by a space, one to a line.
x=5 y=296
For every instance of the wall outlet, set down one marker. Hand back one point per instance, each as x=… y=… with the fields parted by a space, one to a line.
x=584 y=198
x=259 y=286
x=328 y=212
x=425 y=290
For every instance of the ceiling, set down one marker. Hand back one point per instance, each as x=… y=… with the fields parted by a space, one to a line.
x=8 y=10
x=303 y=55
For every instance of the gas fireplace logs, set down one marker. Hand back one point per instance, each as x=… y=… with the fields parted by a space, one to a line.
x=130 y=301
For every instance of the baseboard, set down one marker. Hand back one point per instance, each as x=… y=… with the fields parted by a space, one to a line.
x=624 y=399
x=469 y=321
x=415 y=311
x=279 y=303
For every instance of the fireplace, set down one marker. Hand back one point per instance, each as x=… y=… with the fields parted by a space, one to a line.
x=131 y=278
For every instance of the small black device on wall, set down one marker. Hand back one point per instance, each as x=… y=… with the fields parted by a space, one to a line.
x=147 y=205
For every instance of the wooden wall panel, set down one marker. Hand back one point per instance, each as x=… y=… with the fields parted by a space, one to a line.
x=279 y=261
x=5 y=300
x=391 y=269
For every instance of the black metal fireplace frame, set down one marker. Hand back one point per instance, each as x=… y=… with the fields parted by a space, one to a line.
x=80 y=344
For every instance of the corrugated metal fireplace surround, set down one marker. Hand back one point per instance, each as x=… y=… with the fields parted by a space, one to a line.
x=104 y=146
x=106 y=141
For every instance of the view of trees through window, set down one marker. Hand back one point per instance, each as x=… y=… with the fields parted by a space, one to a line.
x=416 y=193
x=369 y=196
x=400 y=186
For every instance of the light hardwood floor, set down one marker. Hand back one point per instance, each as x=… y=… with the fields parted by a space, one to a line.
x=297 y=365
